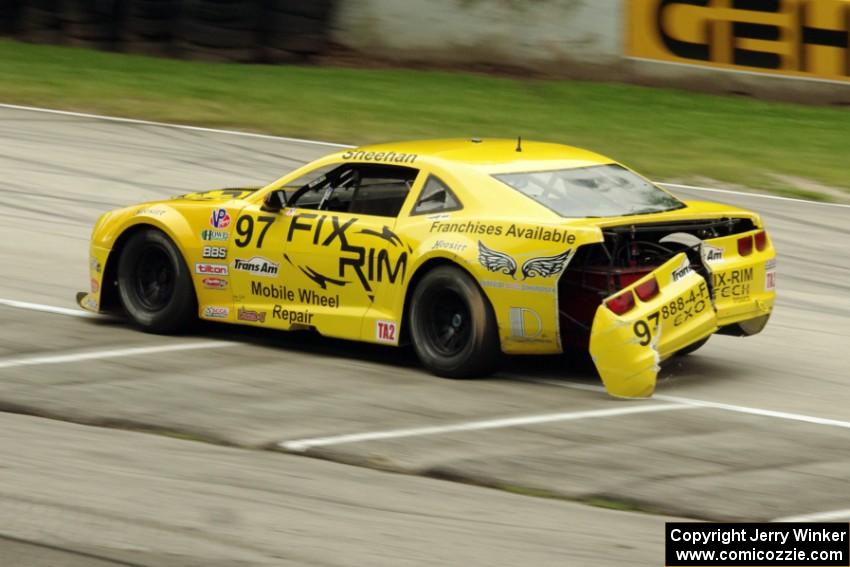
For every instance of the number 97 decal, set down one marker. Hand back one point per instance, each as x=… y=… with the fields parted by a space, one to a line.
x=679 y=310
x=643 y=332
x=245 y=229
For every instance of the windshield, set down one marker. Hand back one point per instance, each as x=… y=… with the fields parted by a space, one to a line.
x=597 y=191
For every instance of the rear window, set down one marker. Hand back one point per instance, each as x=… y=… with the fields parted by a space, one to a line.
x=597 y=191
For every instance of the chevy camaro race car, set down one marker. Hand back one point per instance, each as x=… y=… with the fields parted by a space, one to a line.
x=465 y=248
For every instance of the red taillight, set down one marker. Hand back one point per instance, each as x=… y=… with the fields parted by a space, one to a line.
x=647 y=290
x=745 y=246
x=761 y=240
x=621 y=304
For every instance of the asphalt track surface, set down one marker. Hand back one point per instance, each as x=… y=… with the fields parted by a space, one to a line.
x=254 y=448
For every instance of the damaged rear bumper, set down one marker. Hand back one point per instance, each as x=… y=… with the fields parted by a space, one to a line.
x=633 y=330
x=675 y=306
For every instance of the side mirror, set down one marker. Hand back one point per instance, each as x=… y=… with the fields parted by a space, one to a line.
x=275 y=201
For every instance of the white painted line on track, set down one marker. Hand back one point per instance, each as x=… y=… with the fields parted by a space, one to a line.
x=15 y=362
x=746 y=194
x=48 y=308
x=814 y=420
x=169 y=125
x=834 y=515
x=335 y=145
x=300 y=445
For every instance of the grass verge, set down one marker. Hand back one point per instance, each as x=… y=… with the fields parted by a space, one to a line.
x=666 y=134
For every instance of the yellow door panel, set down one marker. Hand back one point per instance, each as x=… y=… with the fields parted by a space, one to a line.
x=255 y=261
x=343 y=264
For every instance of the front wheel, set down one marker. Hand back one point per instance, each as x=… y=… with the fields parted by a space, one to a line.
x=452 y=325
x=154 y=283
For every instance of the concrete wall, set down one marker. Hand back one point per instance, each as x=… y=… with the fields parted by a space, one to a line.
x=513 y=33
x=619 y=40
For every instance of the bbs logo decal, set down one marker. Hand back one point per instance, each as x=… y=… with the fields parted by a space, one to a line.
x=257 y=266
x=218 y=252
x=219 y=218
x=544 y=266
x=211 y=269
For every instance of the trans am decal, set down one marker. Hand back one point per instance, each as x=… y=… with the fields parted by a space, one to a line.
x=544 y=266
x=257 y=266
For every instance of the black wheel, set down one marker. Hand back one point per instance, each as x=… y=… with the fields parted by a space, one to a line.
x=691 y=348
x=154 y=283
x=452 y=325
x=206 y=35
x=316 y=9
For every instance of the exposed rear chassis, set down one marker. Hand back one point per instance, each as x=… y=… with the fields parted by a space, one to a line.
x=635 y=256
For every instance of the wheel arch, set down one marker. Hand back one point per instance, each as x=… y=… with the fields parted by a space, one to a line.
x=109 y=299
x=421 y=271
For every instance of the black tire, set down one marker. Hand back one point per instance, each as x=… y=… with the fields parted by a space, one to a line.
x=316 y=9
x=295 y=33
x=154 y=283
x=34 y=19
x=238 y=14
x=452 y=325
x=147 y=47
x=145 y=29
x=205 y=35
x=10 y=14
x=218 y=55
x=152 y=9
x=272 y=55
x=92 y=32
x=692 y=348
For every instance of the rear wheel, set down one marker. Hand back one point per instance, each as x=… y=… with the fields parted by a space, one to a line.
x=154 y=283
x=452 y=325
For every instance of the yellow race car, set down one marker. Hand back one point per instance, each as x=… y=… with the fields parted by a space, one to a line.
x=465 y=248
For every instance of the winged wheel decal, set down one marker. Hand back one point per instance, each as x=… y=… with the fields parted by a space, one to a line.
x=543 y=266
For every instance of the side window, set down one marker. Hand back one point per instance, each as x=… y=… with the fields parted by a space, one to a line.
x=378 y=190
x=435 y=197
x=308 y=189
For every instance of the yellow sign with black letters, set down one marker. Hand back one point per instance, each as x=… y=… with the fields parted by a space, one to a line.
x=803 y=38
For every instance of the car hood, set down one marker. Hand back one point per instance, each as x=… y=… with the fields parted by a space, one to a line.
x=214 y=197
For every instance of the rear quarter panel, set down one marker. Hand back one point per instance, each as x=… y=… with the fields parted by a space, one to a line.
x=516 y=264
